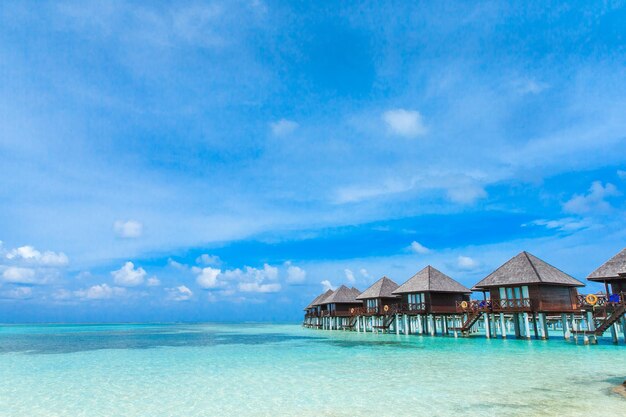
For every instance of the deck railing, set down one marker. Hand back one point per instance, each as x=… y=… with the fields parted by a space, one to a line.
x=522 y=304
x=473 y=306
x=516 y=304
x=601 y=300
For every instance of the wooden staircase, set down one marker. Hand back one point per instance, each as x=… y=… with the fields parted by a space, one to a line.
x=610 y=320
x=388 y=320
x=472 y=318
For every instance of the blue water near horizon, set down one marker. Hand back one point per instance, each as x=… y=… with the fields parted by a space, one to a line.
x=286 y=370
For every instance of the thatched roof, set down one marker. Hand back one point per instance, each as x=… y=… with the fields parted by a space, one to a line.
x=381 y=288
x=355 y=291
x=312 y=303
x=614 y=268
x=321 y=299
x=433 y=280
x=342 y=295
x=526 y=269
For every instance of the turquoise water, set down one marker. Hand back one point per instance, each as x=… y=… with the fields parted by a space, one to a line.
x=285 y=370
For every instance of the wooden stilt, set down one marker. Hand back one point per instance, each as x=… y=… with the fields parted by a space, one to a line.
x=565 y=324
x=526 y=326
x=502 y=326
x=486 y=320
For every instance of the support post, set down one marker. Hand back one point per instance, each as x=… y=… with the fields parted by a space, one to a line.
x=502 y=326
x=431 y=325
x=624 y=327
x=487 y=331
x=614 y=333
x=591 y=325
x=565 y=324
x=526 y=326
x=397 y=324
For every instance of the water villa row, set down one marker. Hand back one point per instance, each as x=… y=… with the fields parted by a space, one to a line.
x=525 y=297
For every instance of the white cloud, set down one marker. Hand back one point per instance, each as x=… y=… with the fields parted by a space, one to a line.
x=207 y=277
x=176 y=265
x=349 y=276
x=18 y=275
x=529 y=86
x=327 y=285
x=20 y=293
x=364 y=273
x=466 y=263
x=128 y=276
x=62 y=294
x=407 y=123
x=255 y=280
x=568 y=224
x=99 y=292
x=594 y=201
x=257 y=287
x=466 y=194
x=206 y=259
x=153 y=282
x=295 y=274
x=180 y=293
x=128 y=229
x=283 y=127
x=418 y=248
x=32 y=255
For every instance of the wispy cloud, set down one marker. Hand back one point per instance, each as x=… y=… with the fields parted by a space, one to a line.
x=418 y=248
x=180 y=293
x=405 y=123
x=283 y=127
x=594 y=201
x=128 y=229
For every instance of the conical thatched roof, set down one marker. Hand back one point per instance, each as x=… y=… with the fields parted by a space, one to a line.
x=381 y=288
x=433 y=280
x=355 y=291
x=614 y=268
x=321 y=299
x=526 y=269
x=312 y=303
x=341 y=295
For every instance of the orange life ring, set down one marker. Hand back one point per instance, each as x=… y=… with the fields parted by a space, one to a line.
x=464 y=304
x=352 y=310
x=386 y=308
x=591 y=299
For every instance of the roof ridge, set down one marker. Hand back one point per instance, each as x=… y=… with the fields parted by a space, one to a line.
x=532 y=266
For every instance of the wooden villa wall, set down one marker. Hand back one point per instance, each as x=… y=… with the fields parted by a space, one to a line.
x=618 y=286
x=556 y=298
x=544 y=298
x=444 y=302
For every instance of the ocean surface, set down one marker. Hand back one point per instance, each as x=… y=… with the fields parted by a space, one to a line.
x=286 y=370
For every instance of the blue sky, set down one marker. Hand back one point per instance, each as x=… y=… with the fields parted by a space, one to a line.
x=168 y=161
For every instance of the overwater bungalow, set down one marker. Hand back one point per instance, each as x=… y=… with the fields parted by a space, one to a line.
x=311 y=316
x=336 y=314
x=608 y=309
x=316 y=309
x=430 y=297
x=524 y=287
x=378 y=306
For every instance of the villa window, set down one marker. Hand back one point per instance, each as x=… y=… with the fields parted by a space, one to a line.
x=372 y=304
x=416 y=299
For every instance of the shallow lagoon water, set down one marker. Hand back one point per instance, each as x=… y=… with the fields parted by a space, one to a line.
x=286 y=370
